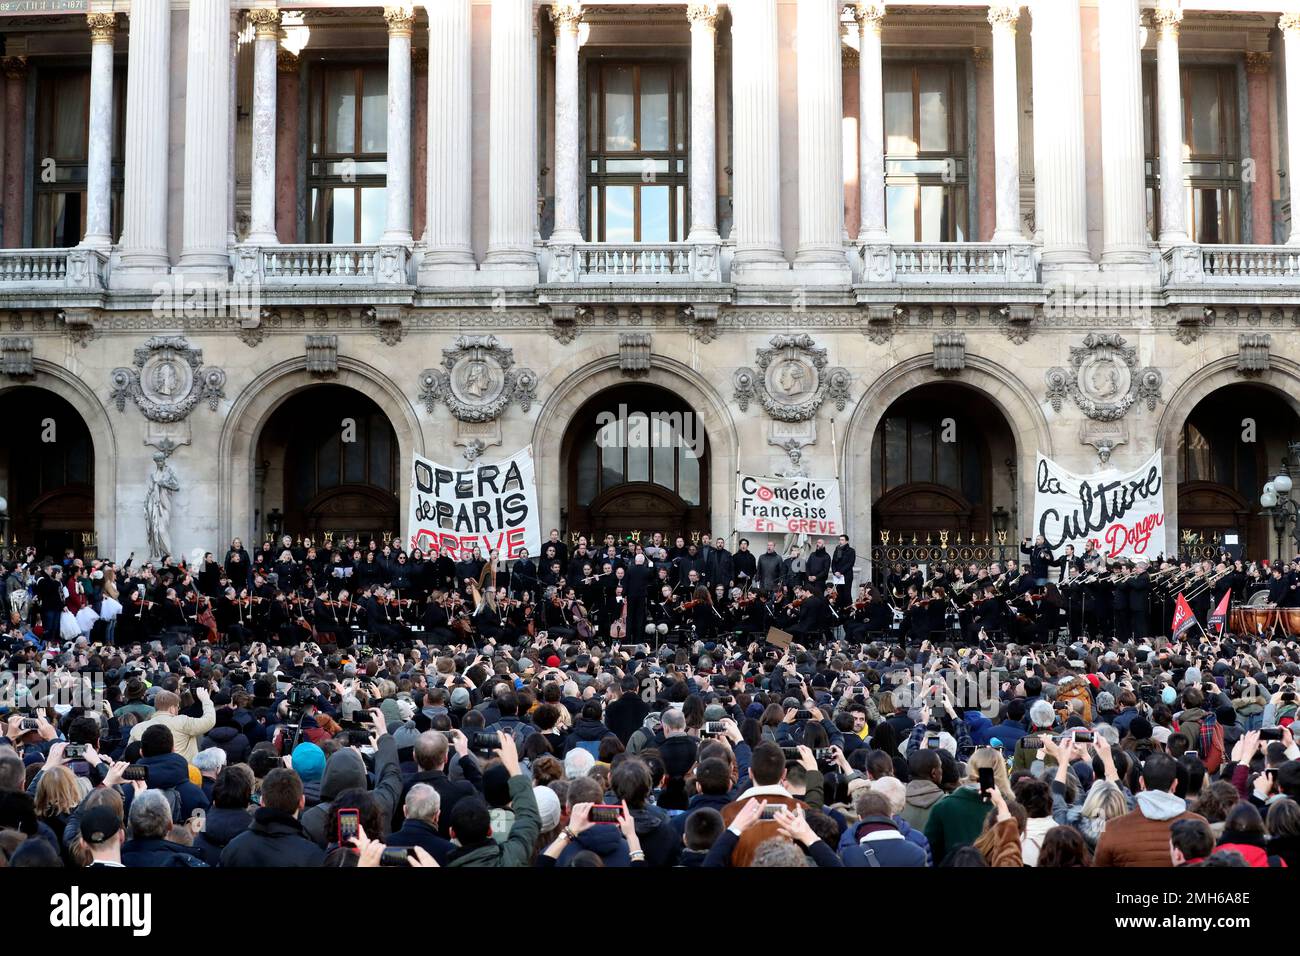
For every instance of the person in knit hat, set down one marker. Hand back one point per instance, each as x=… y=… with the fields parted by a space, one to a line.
x=309 y=763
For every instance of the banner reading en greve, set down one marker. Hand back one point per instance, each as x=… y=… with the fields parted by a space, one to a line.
x=1122 y=513
x=788 y=505
x=489 y=505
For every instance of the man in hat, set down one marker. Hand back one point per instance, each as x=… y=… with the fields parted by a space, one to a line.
x=102 y=832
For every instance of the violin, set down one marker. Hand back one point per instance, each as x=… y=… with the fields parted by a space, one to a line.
x=691 y=604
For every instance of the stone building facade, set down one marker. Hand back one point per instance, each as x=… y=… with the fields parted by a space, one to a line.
x=281 y=249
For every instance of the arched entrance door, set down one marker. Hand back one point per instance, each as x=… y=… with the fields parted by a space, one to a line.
x=49 y=473
x=331 y=466
x=1233 y=441
x=942 y=460
x=636 y=461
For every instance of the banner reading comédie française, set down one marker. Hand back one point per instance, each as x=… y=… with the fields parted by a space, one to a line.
x=1122 y=513
x=487 y=505
x=808 y=506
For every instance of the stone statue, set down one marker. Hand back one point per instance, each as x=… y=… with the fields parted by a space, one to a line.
x=163 y=483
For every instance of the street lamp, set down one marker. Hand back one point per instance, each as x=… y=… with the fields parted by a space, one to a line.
x=274 y=523
x=1276 y=501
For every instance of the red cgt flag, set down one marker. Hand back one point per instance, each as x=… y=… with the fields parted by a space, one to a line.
x=1220 y=615
x=1184 y=619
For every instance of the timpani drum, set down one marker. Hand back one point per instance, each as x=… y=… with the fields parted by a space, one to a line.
x=1257 y=619
x=1289 y=617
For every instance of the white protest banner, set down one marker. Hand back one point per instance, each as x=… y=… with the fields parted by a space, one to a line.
x=788 y=505
x=488 y=505
x=1119 y=512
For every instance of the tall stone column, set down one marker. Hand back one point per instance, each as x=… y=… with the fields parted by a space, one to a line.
x=448 y=183
x=287 y=98
x=401 y=20
x=1289 y=24
x=207 y=147
x=232 y=131
x=512 y=172
x=568 y=174
x=143 y=249
x=1169 y=98
x=986 y=180
x=1124 y=228
x=266 y=26
x=870 y=16
x=1258 y=70
x=99 y=150
x=757 y=140
x=821 y=144
x=704 y=149
x=1059 y=178
x=15 y=69
x=419 y=138
x=1006 y=123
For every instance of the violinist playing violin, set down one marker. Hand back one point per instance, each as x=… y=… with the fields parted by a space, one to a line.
x=814 y=613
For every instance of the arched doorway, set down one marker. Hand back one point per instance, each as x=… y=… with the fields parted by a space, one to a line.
x=48 y=463
x=942 y=466
x=636 y=460
x=331 y=465
x=1232 y=442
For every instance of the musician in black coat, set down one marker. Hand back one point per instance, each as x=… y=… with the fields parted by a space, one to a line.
x=842 y=562
x=813 y=613
x=744 y=565
x=1139 y=601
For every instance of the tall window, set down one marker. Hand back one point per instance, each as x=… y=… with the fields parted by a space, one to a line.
x=62 y=154
x=319 y=459
x=911 y=448
x=347 y=163
x=1211 y=152
x=926 y=167
x=637 y=118
x=646 y=447
x=1211 y=450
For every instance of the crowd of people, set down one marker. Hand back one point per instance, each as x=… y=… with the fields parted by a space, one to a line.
x=636 y=705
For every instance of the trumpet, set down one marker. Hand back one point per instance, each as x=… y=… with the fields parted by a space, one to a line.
x=1208 y=583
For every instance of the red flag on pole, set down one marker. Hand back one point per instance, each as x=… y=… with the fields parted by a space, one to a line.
x=1184 y=619
x=1220 y=615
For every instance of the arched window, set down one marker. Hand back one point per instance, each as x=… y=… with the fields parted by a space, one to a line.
x=637 y=460
x=656 y=446
x=927 y=447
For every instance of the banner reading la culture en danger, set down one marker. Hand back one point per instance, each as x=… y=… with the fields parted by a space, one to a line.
x=1122 y=512
x=788 y=505
x=490 y=505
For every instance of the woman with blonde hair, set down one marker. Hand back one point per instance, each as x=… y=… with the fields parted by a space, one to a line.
x=1105 y=800
x=57 y=795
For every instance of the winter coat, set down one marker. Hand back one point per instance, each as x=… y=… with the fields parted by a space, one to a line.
x=519 y=846
x=921 y=796
x=346 y=770
x=220 y=827
x=154 y=852
x=274 y=838
x=587 y=734
x=607 y=842
x=956 y=820
x=880 y=842
x=1141 y=838
x=425 y=835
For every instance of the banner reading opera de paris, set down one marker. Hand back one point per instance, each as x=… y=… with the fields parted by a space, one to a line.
x=1122 y=512
x=488 y=505
x=808 y=506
